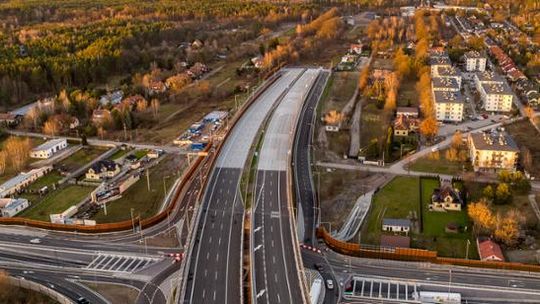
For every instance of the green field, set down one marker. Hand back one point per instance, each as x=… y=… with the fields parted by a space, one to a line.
x=396 y=200
x=441 y=165
x=434 y=236
x=144 y=202
x=56 y=202
x=46 y=180
x=80 y=158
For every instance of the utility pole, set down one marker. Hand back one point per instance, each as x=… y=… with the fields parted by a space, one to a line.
x=467 y=252
x=105 y=208
x=132 y=220
x=148 y=179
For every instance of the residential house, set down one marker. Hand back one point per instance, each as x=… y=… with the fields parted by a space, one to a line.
x=396 y=225
x=258 y=62
x=49 y=148
x=10 y=207
x=22 y=180
x=133 y=100
x=46 y=104
x=446 y=198
x=101 y=116
x=492 y=151
x=156 y=87
x=475 y=61
x=506 y=63
x=404 y=125
x=9 y=119
x=103 y=169
x=197 y=44
x=197 y=70
x=489 y=250
x=112 y=98
x=356 y=48
x=407 y=111
x=448 y=106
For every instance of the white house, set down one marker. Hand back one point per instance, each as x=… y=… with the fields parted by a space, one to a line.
x=475 y=61
x=22 y=180
x=49 y=148
x=448 y=106
x=12 y=206
x=396 y=225
x=444 y=84
x=113 y=98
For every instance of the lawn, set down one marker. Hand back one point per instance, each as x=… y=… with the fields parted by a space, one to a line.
x=144 y=202
x=373 y=129
x=440 y=165
x=408 y=96
x=434 y=236
x=140 y=153
x=342 y=86
x=397 y=199
x=80 y=158
x=46 y=180
x=118 y=154
x=56 y=202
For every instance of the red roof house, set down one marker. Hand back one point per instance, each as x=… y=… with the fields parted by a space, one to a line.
x=489 y=250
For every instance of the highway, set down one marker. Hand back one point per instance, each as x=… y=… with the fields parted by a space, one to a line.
x=305 y=190
x=275 y=270
x=214 y=269
x=475 y=284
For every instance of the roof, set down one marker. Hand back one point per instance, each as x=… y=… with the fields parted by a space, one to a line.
x=439 y=194
x=14 y=203
x=488 y=248
x=109 y=165
x=407 y=110
x=444 y=82
x=8 y=116
x=448 y=97
x=474 y=54
x=216 y=115
x=440 y=60
x=395 y=241
x=499 y=88
x=448 y=71
x=489 y=76
x=494 y=141
x=49 y=144
x=396 y=222
x=14 y=181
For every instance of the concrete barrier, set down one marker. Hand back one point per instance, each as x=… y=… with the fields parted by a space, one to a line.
x=39 y=288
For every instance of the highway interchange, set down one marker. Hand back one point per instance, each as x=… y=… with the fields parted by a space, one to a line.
x=272 y=139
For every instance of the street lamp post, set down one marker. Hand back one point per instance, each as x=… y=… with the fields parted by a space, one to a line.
x=132 y=220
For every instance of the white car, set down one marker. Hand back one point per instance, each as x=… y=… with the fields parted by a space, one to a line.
x=330 y=284
x=35 y=241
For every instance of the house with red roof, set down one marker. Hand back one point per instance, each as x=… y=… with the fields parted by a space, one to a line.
x=489 y=250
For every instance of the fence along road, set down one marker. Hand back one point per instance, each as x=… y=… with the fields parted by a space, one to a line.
x=214 y=274
x=275 y=268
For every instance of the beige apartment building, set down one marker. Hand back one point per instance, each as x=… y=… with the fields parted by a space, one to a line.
x=492 y=151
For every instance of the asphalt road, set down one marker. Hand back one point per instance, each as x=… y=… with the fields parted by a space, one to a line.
x=305 y=191
x=214 y=270
x=477 y=285
x=275 y=274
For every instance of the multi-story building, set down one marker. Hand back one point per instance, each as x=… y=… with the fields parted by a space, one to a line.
x=496 y=94
x=437 y=60
x=448 y=105
x=444 y=84
x=475 y=61
x=492 y=151
x=448 y=72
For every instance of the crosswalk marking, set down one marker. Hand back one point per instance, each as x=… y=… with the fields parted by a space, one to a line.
x=120 y=263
